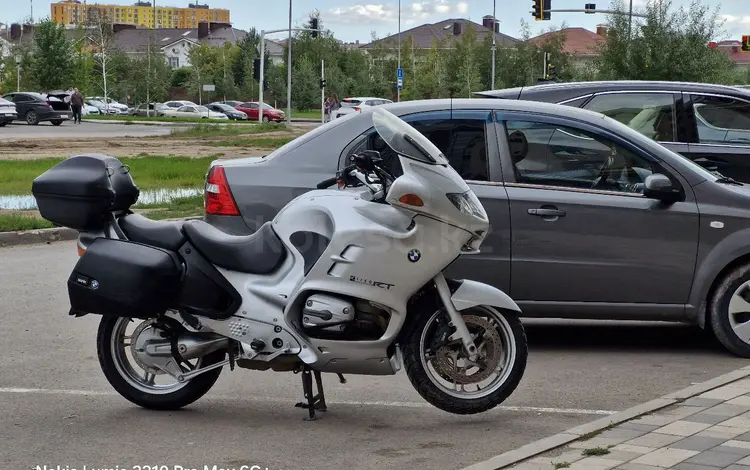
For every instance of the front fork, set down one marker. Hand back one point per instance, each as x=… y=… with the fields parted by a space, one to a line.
x=458 y=322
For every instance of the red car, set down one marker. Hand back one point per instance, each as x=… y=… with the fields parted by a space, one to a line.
x=269 y=112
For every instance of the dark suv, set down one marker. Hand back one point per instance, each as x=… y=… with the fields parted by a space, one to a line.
x=35 y=107
x=709 y=124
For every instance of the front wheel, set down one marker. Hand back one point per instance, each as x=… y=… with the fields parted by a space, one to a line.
x=441 y=372
x=129 y=373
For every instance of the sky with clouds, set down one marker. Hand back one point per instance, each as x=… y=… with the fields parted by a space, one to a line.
x=353 y=20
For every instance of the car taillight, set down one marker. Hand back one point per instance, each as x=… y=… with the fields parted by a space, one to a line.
x=219 y=199
x=47 y=105
x=356 y=108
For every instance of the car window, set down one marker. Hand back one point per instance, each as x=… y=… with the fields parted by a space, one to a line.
x=651 y=114
x=559 y=156
x=185 y=109
x=722 y=120
x=462 y=141
x=349 y=103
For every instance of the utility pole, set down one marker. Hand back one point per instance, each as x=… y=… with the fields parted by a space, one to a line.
x=288 y=75
x=323 y=91
x=494 y=40
x=398 y=87
x=630 y=23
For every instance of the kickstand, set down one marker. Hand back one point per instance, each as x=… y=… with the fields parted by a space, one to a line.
x=314 y=402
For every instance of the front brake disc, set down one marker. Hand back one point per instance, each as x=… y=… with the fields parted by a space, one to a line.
x=490 y=355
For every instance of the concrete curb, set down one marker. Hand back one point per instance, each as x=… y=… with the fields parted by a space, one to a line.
x=47 y=235
x=179 y=123
x=549 y=443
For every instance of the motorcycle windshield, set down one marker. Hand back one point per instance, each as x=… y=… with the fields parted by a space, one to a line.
x=404 y=139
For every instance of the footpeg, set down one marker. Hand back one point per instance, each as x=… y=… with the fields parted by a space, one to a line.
x=258 y=345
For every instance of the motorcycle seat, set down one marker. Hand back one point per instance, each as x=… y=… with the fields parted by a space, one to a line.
x=162 y=234
x=259 y=253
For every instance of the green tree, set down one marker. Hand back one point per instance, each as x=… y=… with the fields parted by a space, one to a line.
x=670 y=44
x=203 y=66
x=305 y=90
x=53 y=61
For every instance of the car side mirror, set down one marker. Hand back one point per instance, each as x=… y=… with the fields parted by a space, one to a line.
x=658 y=186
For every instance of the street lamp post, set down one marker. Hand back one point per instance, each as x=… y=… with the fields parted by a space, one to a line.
x=18 y=73
x=494 y=40
x=288 y=74
x=398 y=88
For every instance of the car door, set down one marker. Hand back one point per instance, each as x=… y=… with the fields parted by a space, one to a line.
x=23 y=104
x=467 y=139
x=585 y=241
x=719 y=129
x=659 y=115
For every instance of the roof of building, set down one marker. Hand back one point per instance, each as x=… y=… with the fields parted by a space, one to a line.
x=137 y=40
x=733 y=49
x=424 y=35
x=578 y=41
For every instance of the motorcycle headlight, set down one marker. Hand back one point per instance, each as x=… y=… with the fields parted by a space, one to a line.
x=468 y=203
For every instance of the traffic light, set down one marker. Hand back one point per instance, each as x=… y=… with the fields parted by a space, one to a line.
x=537 y=9
x=745 y=43
x=256 y=69
x=551 y=71
x=541 y=9
x=322 y=83
x=314 y=26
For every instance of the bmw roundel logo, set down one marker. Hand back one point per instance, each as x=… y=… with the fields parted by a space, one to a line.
x=94 y=284
x=414 y=255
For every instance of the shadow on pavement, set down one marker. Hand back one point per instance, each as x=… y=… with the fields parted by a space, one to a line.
x=623 y=336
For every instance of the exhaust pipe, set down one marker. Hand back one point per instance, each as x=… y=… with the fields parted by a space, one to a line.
x=195 y=345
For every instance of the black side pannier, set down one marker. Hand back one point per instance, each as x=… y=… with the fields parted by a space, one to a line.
x=122 y=278
x=81 y=191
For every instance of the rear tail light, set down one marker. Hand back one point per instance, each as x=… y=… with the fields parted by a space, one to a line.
x=219 y=199
x=357 y=108
x=47 y=105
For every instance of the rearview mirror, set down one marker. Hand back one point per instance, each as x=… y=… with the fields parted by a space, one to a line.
x=658 y=186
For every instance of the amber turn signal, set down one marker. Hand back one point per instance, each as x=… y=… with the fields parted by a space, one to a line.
x=411 y=200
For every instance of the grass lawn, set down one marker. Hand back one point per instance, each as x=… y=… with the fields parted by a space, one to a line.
x=262 y=142
x=310 y=114
x=16 y=176
x=109 y=117
x=209 y=130
x=18 y=222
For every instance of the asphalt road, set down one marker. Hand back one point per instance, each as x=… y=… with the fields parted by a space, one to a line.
x=58 y=409
x=68 y=130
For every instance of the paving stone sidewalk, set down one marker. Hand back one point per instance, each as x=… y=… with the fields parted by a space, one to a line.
x=708 y=432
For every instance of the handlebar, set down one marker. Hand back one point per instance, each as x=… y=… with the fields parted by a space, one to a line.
x=327 y=183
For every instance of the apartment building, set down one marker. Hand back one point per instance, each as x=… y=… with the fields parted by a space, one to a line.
x=143 y=14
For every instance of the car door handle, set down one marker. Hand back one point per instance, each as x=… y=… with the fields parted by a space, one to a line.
x=547 y=212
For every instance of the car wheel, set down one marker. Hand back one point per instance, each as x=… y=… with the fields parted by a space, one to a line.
x=729 y=310
x=266 y=119
x=32 y=118
x=56 y=123
x=3 y=124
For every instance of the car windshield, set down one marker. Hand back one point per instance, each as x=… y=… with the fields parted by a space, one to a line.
x=201 y=109
x=267 y=106
x=349 y=103
x=404 y=139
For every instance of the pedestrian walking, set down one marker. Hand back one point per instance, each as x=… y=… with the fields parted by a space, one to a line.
x=335 y=104
x=327 y=107
x=76 y=103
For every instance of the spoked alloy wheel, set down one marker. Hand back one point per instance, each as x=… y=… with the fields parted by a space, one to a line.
x=449 y=379
x=129 y=370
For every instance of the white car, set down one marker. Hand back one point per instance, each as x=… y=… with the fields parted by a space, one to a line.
x=194 y=112
x=89 y=109
x=179 y=104
x=110 y=106
x=356 y=105
x=104 y=108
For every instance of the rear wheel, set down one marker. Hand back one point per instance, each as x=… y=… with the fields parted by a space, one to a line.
x=3 y=124
x=56 y=123
x=729 y=310
x=448 y=379
x=32 y=118
x=135 y=380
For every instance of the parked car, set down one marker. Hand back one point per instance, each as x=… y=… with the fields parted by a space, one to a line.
x=103 y=108
x=35 y=108
x=590 y=218
x=110 y=105
x=7 y=112
x=194 y=112
x=179 y=104
x=709 y=124
x=230 y=112
x=269 y=112
x=232 y=103
x=355 y=105
x=150 y=110
x=89 y=109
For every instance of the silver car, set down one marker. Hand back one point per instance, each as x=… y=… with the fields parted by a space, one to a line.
x=590 y=218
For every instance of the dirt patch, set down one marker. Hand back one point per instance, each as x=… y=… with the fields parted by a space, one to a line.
x=136 y=146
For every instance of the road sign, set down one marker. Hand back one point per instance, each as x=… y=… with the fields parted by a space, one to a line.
x=400 y=73
x=400 y=84
x=209 y=87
